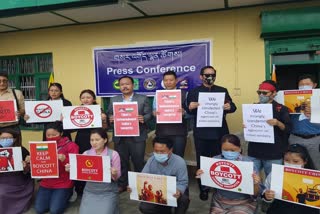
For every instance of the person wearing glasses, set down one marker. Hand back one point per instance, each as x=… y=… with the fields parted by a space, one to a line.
x=266 y=154
x=303 y=131
x=207 y=139
x=7 y=93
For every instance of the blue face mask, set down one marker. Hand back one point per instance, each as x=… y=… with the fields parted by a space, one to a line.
x=229 y=155
x=161 y=158
x=263 y=99
x=7 y=142
x=305 y=87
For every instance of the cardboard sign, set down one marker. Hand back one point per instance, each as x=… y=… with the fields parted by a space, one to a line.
x=44 y=159
x=150 y=188
x=43 y=111
x=126 y=122
x=81 y=117
x=10 y=159
x=296 y=185
x=8 y=109
x=235 y=176
x=255 y=118
x=95 y=168
x=169 y=106
x=210 y=109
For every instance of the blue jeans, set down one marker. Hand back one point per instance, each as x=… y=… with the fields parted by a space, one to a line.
x=53 y=200
x=258 y=164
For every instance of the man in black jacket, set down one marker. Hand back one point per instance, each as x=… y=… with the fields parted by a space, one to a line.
x=207 y=139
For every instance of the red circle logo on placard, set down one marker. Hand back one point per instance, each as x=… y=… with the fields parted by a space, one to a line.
x=225 y=174
x=43 y=110
x=81 y=116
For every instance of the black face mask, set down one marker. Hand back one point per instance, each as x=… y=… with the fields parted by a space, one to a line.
x=209 y=78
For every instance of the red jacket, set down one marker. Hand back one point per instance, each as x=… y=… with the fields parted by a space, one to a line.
x=66 y=147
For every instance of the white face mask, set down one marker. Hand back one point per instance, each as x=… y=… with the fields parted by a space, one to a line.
x=293 y=165
x=305 y=87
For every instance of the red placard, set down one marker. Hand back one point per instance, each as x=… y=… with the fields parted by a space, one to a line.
x=126 y=122
x=169 y=106
x=8 y=110
x=44 y=159
x=89 y=168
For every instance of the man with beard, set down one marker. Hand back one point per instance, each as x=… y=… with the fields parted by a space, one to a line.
x=207 y=139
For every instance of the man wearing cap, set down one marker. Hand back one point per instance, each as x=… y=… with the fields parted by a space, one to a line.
x=303 y=131
x=207 y=139
x=265 y=154
x=7 y=93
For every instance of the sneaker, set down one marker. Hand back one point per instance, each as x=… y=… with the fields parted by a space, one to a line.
x=74 y=196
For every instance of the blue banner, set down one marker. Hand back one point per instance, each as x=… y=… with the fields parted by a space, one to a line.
x=147 y=64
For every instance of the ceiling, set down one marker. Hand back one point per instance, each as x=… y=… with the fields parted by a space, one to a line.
x=62 y=15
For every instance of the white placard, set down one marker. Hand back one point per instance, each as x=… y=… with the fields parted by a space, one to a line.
x=10 y=159
x=81 y=117
x=43 y=111
x=235 y=176
x=89 y=168
x=255 y=118
x=315 y=109
x=163 y=188
x=210 y=109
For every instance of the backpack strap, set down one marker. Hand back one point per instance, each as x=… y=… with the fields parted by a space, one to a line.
x=15 y=97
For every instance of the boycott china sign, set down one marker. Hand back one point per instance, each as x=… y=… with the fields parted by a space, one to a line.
x=8 y=110
x=94 y=168
x=43 y=111
x=235 y=176
x=44 y=159
x=81 y=117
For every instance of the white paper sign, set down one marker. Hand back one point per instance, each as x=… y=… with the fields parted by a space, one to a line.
x=210 y=109
x=81 y=117
x=43 y=111
x=10 y=159
x=235 y=176
x=151 y=188
x=88 y=168
x=315 y=109
x=255 y=118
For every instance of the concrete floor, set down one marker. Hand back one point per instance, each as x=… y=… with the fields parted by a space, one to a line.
x=128 y=206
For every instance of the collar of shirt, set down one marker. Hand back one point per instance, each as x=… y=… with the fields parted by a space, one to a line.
x=129 y=100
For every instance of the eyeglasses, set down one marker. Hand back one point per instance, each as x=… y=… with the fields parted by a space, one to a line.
x=209 y=75
x=263 y=92
x=4 y=81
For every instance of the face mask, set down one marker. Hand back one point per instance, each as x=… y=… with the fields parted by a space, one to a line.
x=6 y=142
x=230 y=155
x=305 y=87
x=293 y=165
x=209 y=79
x=161 y=158
x=57 y=138
x=263 y=99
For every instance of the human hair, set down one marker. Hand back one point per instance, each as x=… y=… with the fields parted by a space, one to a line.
x=303 y=153
x=126 y=77
x=15 y=134
x=58 y=85
x=307 y=76
x=57 y=125
x=170 y=72
x=100 y=131
x=206 y=67
x=3 y=74
x=231 y=138
x=273 y=83
x=163 y=140
x=88 y=91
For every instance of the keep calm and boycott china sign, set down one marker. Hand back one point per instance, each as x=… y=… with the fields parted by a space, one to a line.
x=95 y=168
x=8 y=110
x=126 y=122
x=235 y=176
x=44 y=159
x=81 y=117
x=168 y=106
x=43 y=111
